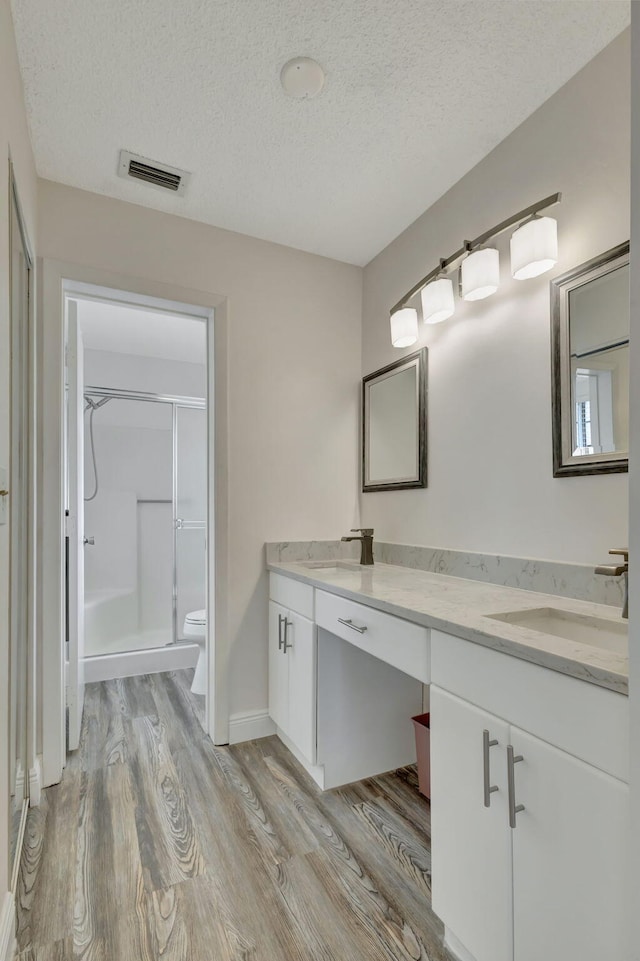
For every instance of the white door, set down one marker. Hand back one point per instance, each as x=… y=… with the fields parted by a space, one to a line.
x=300 y=645
x=471 y=843
x=569 y=847
x=278 y=668
x=75 y=525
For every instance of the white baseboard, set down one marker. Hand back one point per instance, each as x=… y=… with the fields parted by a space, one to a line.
x=8 y=928
x=250 y=726
x=35 y=783
x=106 y=667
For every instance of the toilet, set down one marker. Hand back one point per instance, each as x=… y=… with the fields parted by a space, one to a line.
x=195 y=629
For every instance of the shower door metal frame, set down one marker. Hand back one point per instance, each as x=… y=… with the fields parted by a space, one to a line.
x=176 y=401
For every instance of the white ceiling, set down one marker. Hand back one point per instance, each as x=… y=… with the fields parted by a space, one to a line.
x=131 y=330
x=417 y=92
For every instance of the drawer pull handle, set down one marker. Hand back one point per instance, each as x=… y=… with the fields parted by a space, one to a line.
x=280 y=620
x=489 y=788
x=286 y=624
x=511 y=780
x=354 y=627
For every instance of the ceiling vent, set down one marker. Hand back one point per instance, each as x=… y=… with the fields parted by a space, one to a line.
x=151 y=172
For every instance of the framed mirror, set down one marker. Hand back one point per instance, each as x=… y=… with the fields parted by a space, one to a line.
x=590 y=366
x=394 y=425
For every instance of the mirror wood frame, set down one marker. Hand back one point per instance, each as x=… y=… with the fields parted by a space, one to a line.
x=420 y=360
x=564 y=463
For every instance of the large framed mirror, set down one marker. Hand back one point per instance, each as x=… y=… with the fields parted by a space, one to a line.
x=590 y=366
x=394 y=425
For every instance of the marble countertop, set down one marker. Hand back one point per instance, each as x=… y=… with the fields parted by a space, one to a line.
x=459 y=606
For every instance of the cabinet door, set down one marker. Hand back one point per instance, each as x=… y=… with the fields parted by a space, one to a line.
x=278 y=669
x=301 y=655
x=471 y=843
x=569 y=848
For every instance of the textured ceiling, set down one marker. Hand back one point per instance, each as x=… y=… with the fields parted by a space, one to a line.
x=417 y=92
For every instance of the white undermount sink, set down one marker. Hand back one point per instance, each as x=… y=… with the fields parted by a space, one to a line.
x=330 y=566
x=609 y=635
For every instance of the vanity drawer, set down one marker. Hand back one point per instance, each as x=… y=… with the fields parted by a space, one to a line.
x=391 y=639
x=580 y=718
x=292 y=594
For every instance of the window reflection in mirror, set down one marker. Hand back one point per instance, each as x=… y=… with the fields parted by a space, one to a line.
x=599 y=338
x=590 y=357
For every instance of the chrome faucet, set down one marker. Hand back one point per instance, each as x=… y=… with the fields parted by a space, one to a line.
x=619 y=570
x=366 y=543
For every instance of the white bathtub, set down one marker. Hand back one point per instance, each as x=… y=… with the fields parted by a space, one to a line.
x=109 y=617
x=114 y=645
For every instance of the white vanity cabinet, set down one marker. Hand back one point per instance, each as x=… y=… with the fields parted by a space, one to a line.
x=471 y=843
x=569 y=850
x=293 y=667
x=534 y=869
x=344 y=682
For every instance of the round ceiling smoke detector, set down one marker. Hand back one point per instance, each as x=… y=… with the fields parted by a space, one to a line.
x=302 y=78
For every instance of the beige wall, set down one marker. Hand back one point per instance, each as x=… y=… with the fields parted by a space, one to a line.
x=15 y=142
x=490 y=468
x=293 y=370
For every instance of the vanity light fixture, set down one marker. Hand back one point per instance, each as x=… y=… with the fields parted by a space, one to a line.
x=534 y=249
x=404 y=327
x=438 y=302
x=480 y=274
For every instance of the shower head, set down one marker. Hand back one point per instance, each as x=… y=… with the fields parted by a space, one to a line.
x=92 y=404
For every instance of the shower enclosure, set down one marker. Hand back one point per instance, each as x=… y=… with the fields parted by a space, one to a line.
x=145 y=522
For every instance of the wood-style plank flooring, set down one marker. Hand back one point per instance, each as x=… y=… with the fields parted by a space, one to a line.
x=158 y=845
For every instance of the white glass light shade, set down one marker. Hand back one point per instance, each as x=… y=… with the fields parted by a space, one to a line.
x=480 y=274
x=404 y=327
x=437 y=301
x=534 y=248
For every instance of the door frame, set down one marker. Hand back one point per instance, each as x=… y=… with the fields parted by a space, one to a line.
x=58 y=281
x=21 y=588
x=74 y=522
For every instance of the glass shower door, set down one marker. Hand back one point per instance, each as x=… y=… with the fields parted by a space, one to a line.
x=190 y=506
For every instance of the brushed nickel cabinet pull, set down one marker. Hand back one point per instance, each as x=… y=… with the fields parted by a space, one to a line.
x=4 y=493
x=489 y=788
x=513 y=807
x=286 y=624
x=280 y=620
x=349 y=623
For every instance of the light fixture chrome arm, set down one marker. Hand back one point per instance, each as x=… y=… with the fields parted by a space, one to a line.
x=469 y=245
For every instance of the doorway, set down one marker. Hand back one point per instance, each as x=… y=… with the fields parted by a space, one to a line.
x=136 y=491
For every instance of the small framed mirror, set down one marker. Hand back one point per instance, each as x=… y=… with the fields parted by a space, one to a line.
x=394 y=425
x=590 y=366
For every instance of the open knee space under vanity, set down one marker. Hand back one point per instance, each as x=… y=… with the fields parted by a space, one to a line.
x=529 y=743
